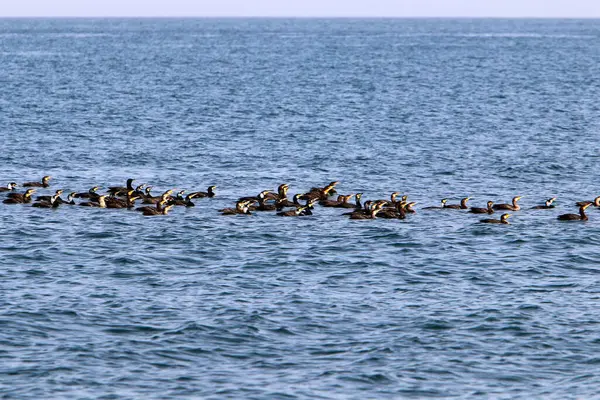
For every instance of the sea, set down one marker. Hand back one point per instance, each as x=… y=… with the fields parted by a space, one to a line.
x=109 y=304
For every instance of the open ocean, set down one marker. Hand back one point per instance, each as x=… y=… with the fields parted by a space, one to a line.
x=108 y=304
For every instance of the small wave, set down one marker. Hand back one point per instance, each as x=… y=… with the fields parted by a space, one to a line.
x=39 y=53
x=81 y=35
x=131 y=329
x=522 y=35
x=498 y=35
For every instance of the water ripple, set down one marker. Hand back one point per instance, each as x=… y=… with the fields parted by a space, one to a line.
x=111 y=304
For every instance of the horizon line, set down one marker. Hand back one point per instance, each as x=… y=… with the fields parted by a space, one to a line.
x=293 y=17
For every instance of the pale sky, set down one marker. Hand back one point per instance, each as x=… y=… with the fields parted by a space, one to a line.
x=303 y=8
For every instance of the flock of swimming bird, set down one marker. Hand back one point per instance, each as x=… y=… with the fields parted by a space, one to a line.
x=397 y=207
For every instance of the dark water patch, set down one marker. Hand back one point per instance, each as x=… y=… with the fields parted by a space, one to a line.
x=99 y=235
x=131 y=330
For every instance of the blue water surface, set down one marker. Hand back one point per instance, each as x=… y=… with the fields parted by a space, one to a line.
x=109 y=304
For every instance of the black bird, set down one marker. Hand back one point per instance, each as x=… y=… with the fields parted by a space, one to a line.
x=101 y=203
x=147 y=193
x=45 y=204
x=366 y=209
x=356 y=205
x=156 y=199
x=178 y=196
x=90 y=194
x=129 y=202
x=335 y=203
x=186 y=201
x=392 y=201
x=210 y=192
x=69 y=200
x=398 y=212
x=241 y=207
x=480 y=210
x=53 y=202
x=262 y=195
x=19 y=198
x=120 y=190
x=308 y=207
x=49 y=199
x=576 y=217
x=437 y=207
x=10 y=187
x=408 y=207
x=320 y=193
x=159 y=206
x=298 y=212
x=548 y=204
x=503 y=220
x=139 y=191
x=44 y=183
x=262 y=205
x=461 y=206
x=281 y=193
x=154 y=211
x=372 y=214
x=261 y=200
x=113 y=202
x=513 y=207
